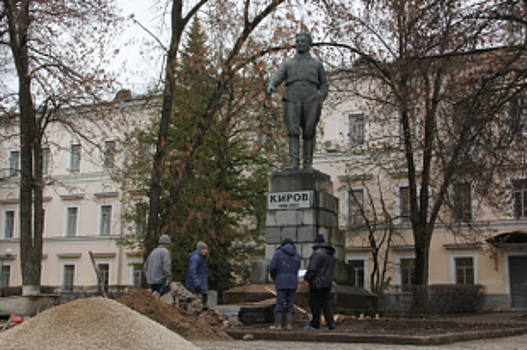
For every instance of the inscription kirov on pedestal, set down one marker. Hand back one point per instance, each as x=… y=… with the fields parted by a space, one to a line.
x=289 y=200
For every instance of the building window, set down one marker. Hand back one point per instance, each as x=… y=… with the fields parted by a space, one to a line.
x=106 y=220
x=357 y=209
x=75 y=158
x=14 y=162
x=46 y=154
x=9 y=220
x=104 y=272
x=404 y=203
x=407 y=274
x=356 y=129
x=43 y=221
x=358 y=273
x=140 y=217
x=109 y=154
x=68 y=277
x=520 y=199
x=413 y=124
x=71 y=221
x=464 y=270
x=137 y=274
x=462 y=202
x=6 y=275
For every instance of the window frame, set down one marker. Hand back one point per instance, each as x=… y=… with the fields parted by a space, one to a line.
x=46 y=160
x=351 y=261
x=14 y=162
x=522 y=189
x=44 y=221
x=354 y=217
x=452 y=271
x=63 y=276
x=9 y=276
x=133 y=270
x=108 y=155
x=75 y=157
x=5 y=221
x=352 y=119
x=398 y=271
x=460 y=216
x=109 y=275
x=101 y=219
x=402 y=219
x=66 y=220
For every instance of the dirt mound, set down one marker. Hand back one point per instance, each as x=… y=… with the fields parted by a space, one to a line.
x=94 y=323
x=206 y=325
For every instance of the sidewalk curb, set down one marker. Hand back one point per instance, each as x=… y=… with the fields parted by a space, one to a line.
x=335 y=337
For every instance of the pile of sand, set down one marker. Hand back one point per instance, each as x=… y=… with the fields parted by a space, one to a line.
x=95 y=323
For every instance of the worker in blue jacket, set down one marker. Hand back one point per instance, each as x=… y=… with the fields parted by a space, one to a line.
x=197 y=276
x=284 y=268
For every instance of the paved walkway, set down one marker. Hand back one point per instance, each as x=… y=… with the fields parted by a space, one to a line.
x=508 y=343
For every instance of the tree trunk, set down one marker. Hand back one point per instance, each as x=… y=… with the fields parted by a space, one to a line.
x=19 y=21
x=166 y=116
x=422 y=252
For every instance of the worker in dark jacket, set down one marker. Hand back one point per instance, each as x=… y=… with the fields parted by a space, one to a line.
x=158 y=267
x=197 y=276
x=284 y=268
x=319 y=278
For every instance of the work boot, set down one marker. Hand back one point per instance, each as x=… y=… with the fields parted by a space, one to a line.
x=277 y=322
x=308 y=155
x=294 y=150
x=289 y=321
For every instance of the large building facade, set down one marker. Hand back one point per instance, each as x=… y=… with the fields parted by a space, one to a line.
x=474 y=242
x=83 y=213
x=83 y=206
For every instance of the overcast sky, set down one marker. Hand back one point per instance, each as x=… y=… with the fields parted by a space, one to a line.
x=138 y=64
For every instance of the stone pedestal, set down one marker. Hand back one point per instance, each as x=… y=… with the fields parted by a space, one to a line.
x=300 y=205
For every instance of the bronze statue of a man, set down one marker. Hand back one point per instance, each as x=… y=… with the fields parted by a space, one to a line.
x=306 y=89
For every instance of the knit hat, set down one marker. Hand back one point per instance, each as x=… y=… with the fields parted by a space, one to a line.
x=287 y=240
x=319 y=239
x=164 y=239
x=201 y=245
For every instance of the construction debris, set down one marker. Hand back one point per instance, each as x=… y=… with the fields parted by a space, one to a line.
x=181 y=312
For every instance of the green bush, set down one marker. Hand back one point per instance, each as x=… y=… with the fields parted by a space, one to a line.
x=445 y=299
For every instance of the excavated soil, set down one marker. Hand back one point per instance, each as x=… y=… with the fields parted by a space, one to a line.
x=207 y=325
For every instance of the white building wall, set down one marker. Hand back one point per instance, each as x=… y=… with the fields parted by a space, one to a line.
x=87 y=190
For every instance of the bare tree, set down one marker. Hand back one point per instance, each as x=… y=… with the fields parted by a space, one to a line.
x=55 y=49
x=438 y=78
x=240 y=47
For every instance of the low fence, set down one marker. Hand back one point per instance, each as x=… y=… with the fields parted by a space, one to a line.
x=77 y=292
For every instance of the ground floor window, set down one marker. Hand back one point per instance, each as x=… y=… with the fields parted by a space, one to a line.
x=137 y=274
x=68 y=277
x=358 y=273
x=5 y=276
x=464 y=270
x=104 y=272
x=407 y=274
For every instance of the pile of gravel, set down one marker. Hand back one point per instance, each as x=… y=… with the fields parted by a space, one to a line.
x=95 y=323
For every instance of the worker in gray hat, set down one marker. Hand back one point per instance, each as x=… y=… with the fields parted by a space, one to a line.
x=197 y=276
x=158 y=267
